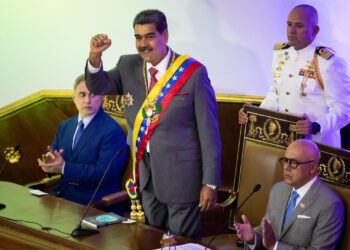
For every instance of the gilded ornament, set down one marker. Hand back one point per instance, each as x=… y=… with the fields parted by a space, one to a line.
x=336 y=169
x=15 y=156
x=272 y=130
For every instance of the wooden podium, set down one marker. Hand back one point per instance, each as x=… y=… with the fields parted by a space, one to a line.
x=50 y=211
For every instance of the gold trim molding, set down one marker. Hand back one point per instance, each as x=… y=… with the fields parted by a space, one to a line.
x=50 y=93
x=238 y=98
x=33 y=98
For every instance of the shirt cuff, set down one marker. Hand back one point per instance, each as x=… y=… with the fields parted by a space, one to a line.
x=213 y=187
x=276 y=245
x=92 y=69
x=64 y=164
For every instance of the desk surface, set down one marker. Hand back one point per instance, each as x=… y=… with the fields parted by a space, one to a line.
x=64 y=215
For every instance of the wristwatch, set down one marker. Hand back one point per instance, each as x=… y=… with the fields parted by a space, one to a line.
x=315 y=128
x=213 y=187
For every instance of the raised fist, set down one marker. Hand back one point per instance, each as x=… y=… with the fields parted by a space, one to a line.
x=98 y=44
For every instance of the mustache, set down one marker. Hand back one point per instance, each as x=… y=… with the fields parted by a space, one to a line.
x=142 y=49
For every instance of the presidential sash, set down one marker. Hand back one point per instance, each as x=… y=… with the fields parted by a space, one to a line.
x=152 y=110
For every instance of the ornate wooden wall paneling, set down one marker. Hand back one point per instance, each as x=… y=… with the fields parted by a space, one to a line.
x=31 y=123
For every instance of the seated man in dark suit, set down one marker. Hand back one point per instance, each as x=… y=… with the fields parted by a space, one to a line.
x=302 y=212
x=82 y=155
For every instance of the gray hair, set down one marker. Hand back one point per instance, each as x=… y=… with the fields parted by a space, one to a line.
x=78 y=80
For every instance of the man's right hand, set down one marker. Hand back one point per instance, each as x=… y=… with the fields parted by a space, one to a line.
x=245 y=231
x=98 y=44
x=242 y=116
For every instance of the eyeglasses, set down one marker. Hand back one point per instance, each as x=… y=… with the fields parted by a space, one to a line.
x=292 y=162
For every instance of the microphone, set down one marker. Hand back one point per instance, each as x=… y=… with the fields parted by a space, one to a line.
x=3 y=167
x=79 y=231
x=7 y=160
x=255 y=189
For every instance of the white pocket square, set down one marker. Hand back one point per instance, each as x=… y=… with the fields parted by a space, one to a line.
x=301 y=216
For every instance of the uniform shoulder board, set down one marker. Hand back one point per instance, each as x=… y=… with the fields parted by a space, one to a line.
x=325 y=52
x=279 y=46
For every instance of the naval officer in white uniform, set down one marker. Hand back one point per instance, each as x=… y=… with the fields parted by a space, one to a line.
x=309 y=80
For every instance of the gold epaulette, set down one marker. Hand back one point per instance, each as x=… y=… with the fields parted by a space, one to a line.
x=325 y=52
x=279 y=46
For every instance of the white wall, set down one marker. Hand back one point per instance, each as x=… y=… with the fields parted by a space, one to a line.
x=44 y=43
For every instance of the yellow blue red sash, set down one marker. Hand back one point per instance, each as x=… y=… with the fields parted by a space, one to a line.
x=160 y=96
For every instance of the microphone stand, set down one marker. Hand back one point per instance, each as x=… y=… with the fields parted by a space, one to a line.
x=235 y=210
x=79 y=231
x=3 y=167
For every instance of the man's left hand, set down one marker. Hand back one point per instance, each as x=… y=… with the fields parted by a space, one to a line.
x=207 y=198
x=269 y=240
x=52 y=161
x=304 y=127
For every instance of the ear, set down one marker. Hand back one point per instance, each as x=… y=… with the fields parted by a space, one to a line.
x=165 y=36
x=101 y=98
x=314 y=169
x=315 y=30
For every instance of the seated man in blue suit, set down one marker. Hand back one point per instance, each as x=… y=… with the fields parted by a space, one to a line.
x=302 y=212
x=82 y=155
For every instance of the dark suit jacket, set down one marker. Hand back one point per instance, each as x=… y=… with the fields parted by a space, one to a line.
x=315 y=223
x=185 y=147
x=85 y=165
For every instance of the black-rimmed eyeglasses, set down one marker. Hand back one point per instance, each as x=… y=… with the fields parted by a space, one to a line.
x=292 y=162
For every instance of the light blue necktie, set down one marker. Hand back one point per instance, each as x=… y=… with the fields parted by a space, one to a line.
x=290 y=207
x=79 y=133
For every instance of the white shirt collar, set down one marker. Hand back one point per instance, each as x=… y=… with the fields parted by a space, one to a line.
x=303 y=190
x=161 y=66
x=87 y=119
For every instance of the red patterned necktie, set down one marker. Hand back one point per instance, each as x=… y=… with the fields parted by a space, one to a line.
x=153 y=72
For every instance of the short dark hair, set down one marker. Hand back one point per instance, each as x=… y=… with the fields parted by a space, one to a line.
x=78 y=80
x=152 y=16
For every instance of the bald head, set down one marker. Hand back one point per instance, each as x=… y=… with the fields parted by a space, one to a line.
x=306 y=154
x=309 y=12
x=306 y=148
x=302 y=26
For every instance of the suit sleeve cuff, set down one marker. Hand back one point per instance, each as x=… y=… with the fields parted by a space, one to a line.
x=252 y=246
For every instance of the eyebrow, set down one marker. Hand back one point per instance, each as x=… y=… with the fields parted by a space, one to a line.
x=290 y=22
x=151 y=33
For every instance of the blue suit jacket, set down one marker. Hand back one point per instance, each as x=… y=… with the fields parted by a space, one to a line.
x=85 y=165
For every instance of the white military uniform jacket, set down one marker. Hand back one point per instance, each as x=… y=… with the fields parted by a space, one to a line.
x=330 y=107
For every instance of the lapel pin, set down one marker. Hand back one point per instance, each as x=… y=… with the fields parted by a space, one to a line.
x=128 y=99
x=302 y=205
